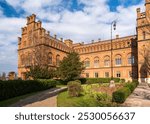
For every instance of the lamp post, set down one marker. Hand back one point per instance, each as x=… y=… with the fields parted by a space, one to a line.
x=113 y=27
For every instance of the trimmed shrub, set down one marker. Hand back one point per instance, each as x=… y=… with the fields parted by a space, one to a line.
x=83 y=80
x=74 y=88
x=120 y=95
x=78 y=81
x=13 y=88
x=122 y=80
x=131 y=86
x=101 y=80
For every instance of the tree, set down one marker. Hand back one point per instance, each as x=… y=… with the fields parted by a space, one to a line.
x=3 y=76
x=70 y=67
x=40 y=72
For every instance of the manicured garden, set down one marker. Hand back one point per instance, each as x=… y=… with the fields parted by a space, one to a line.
x=95 y=95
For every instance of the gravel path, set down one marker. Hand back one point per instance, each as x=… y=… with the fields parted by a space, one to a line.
x=46 y=98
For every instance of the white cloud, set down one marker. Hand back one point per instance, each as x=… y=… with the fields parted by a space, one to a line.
x=90 y=23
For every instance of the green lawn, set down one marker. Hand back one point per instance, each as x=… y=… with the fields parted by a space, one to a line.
x=63 y=100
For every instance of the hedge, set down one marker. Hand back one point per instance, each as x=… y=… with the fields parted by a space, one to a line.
x=97 y=80
x=13 y=88
x=120 y=95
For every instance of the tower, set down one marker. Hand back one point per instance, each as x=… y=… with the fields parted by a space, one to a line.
x=143 y=39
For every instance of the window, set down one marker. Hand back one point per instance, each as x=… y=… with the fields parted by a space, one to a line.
x=87 y=75
x=131 y=59
x=87 y=63
x=57 y=60
x=107 y=61
x=106 y=74
x=96 y=74
x=96 y=62
x=50 y=58
x=144 y=35
x=118 y=60
x=118 y=74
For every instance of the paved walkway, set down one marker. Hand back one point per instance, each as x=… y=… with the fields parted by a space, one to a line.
x=46 y=98
x=140 y=97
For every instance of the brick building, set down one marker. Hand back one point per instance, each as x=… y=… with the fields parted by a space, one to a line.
x=127 y=61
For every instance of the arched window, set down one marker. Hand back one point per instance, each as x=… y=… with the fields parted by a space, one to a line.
x=131 y=59
x=106 y=61
x=50 y=58
x=57 y=60
x=118 y=60
x=87 y=63
x=96 y=62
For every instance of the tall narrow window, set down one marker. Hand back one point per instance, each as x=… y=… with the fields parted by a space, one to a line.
x=131 y=59
x=118 y=60
x=96 y=62
x=96 y=74
x=144 y=35
x=106 y=74
x=118 y=74
x=57 y=60
x=106 y=61
x=87 y=63
x=50 y=58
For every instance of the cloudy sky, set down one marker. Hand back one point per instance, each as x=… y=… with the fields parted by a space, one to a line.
x=79 y=20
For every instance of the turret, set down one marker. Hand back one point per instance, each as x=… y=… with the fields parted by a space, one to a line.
x=31 y=19
x=138 y=10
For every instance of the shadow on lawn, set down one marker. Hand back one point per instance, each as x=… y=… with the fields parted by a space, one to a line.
x=38 y=97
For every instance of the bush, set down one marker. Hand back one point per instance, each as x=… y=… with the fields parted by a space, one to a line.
x=102 y=97
x=83 y=80
x=131 y=86
x=101 y=80
x=136 y=82
x=122 y=80
x=13 y=88
x=120 y=95
x=78 y=81
x=74 y=88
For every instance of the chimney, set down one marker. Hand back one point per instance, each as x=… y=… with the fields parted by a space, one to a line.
x=117 y=36
x=48 y=32
x=61 y=39
x=55 y=36
x=99 y=39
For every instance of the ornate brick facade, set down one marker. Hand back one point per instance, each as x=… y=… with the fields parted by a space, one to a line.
x=127 y=61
